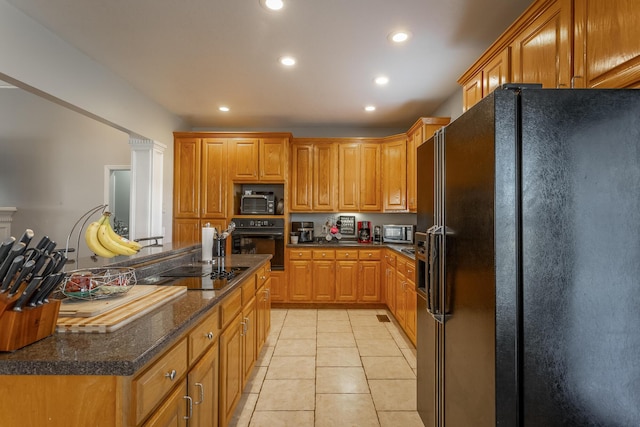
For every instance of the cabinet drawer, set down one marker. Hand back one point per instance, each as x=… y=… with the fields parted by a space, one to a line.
x=372 y=254
x=203 y=335
x=351 y=254
x=390 y=258
x=157 y=380
x=230 y=307
x=401 y=266
x=300 y=254
x=248 y=289
x=263 y=274
x=322 y=254
x=410 y=270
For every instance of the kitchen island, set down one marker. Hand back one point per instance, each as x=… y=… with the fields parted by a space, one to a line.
x=129 y=376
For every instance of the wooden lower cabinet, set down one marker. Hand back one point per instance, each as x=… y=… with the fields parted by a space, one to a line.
x=249 y=339
x=203 y=390
x=278 y=287
x=401 y=295
x=323 y=276
x=346 y=280
x=230 y=369
x=172 y=413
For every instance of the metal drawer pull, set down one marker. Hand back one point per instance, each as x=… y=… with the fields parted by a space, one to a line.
x=171 y=375
x=187 y=417
x=201 y=387
x=209 y=335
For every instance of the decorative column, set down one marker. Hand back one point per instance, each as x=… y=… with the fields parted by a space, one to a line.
x=147 y=158
x=6 y=216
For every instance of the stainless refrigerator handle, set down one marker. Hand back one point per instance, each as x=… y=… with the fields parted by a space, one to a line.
x=436 y=234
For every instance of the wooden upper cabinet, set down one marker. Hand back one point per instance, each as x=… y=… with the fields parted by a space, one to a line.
x=607 y=48
x=394 y=171
x=370 y=177
x=497 y=72
x=349 y=176
x=214 y=178
x=186 y=177
x=472 y=91
x=301 y=188
x=325 y=171
x=244 y=159
x=273 y=159
x=541 y=53
x=258 y=159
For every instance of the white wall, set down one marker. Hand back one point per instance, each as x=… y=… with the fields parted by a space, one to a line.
x=40 y=62
x=52 y=163
x=451 y=107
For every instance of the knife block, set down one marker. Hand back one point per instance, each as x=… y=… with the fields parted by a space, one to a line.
x=21 y=328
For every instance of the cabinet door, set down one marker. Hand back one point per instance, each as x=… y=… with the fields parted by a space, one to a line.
x=273 y=159
x=369 y=281
x=324 y=280
x=214 y=178
x=413 y=141
x=542 y=53
x=325 y=169
x=411 y=307
x=249 y=339
x=348 y=177
x=300 y=280
x=173 y=412
x=301 y=177
x=472 y=91
x=186 y=177
x=186 y=231
x=371 y=178
x=346 y=281
x=394 y=171
x=244 y=159
x=607 y=52
x=390 y=288
x=497 y=72
x=278 y=290
x=203 y=389
x=230 y=369
x=399 y=305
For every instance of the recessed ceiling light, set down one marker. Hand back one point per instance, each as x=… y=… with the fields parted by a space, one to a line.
x=288 y=61
x=399 y=36
x=370 y=108
x=224 y=109
x=381 y=80
x=272 y=4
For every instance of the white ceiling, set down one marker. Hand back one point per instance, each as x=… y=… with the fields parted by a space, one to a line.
x=191 y=56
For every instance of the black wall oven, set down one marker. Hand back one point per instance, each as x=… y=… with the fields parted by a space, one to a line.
x=260 y=236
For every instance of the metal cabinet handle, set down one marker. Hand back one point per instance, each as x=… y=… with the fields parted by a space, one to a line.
x=209 y=335
x=190 y=400
x=201 y=387
x=171 y=375
x=244 y=331
x=573 y=81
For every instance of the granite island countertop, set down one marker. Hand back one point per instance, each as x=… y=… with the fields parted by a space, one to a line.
x=126 y=350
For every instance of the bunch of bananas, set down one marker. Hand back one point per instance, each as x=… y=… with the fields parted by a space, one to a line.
x=105 y=242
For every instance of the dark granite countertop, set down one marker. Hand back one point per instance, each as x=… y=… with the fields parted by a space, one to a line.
x=403 y=249
x=126 y=350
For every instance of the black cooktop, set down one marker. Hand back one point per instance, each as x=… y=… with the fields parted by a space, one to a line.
x=185 y=271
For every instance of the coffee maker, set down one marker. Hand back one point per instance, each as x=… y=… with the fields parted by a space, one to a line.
x=364 y=231
x=304 y=230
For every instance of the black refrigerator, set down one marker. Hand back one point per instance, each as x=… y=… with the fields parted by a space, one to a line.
x=528 y=250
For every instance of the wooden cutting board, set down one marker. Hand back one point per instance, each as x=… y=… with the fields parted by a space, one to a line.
x=81 y=308
x=117 y=317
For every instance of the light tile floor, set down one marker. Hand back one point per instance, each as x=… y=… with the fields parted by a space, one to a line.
x=332 y=367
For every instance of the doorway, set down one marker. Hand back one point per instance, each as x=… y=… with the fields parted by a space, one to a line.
x=117 y=197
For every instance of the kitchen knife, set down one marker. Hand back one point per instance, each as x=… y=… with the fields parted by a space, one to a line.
x=26 y=237
x=47 y=282
x=43 y=242
x=39 y=264
x=5 y=247
x=62 y=260
x=52 y=260
x=50 y=247
x=13 y=269
x=22 y=277
x=28 y=292
x=16 y=250
x=44 y=298
x=32 y=254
